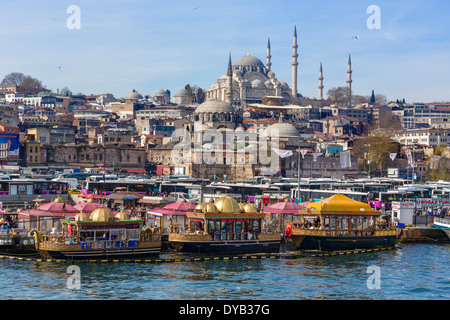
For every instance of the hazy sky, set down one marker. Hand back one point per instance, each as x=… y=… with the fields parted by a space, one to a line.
x=151 y=45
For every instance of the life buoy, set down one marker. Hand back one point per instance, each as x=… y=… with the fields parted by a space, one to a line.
x=288 y=231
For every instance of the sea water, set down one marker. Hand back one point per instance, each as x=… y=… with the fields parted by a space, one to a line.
x=412 y=272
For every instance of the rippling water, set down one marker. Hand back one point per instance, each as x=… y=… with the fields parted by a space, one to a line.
x=416 y=271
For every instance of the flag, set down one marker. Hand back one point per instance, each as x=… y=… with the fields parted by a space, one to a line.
x=345 y=158
x=316 y=155
x=303 y=152
x=283 y=153
x=392 y=156
x=409 y=156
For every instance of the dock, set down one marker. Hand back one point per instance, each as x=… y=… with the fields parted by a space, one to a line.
x=421 y=234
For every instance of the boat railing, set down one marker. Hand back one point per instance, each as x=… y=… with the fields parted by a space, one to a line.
x=442 y=220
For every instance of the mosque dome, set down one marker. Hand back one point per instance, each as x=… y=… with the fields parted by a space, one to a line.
x=257 y=84
x=134 y=95
x=181 y=93
x=281 y=129
x=214 y=106
x=227 y=204
x=248 y=60
x=284 y=85
x=102 y=214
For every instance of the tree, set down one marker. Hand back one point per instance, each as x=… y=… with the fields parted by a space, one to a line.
x=337 y=95
x=14 y=78
x=31 y=85
x=374 y=149
x=65 y=92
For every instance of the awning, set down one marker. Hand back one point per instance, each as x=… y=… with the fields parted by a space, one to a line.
x=136 y=171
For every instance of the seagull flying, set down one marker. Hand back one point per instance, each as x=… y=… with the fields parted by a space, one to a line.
x=355 y=37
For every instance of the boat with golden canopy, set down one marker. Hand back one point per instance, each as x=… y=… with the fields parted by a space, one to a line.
x=224 y=226
x=99 y=235
x=340 y=223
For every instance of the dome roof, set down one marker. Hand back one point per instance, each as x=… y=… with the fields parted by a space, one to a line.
x=211 y=207
x=257 y=83
x=227 y=205
x=58 y=200
x=248 y=60
x=215 y=106
x=181 y=93
x=134 y=95
x=339 y=202
x=122 y=215
x=200 y=207
x=281 y=129
x=250 y=208
x=102 y=214
x=81 y=217
x=161 y=93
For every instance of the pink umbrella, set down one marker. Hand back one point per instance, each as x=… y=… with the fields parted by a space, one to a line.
x=88 y=206
x=33 y=213
x=285 y=207
x=165 y=212
x=59 y=209
x=180 y=206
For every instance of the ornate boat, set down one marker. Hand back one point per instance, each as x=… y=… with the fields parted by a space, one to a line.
x=224 y=226
x=340 y=223
x=100 y=235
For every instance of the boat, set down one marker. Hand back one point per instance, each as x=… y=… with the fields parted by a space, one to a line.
x=340 y=223
x=100 y=235
x=224 y=226
x=443 y=224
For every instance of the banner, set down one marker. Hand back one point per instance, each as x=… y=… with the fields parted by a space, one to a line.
x=283 y=153
x=345 y=158
x=410 y=159
x=392 y=156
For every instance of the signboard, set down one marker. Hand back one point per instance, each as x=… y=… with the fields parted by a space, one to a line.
x=12 y=141
x=428 y=202
x=402 y=205
x=392 y=173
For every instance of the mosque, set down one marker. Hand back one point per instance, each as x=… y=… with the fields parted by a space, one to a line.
x=248 y=80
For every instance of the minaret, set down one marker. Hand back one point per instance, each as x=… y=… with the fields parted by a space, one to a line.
x=268 y=63
x=229 y=97
x=349 y=81
x=320 y=83
x=294 y=65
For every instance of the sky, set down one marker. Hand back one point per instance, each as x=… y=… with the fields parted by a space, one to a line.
x=122 y=45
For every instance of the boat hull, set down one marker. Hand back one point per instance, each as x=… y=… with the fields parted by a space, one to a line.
x=18 y=246
x=206 y=245
x=76 y=252
x=443 y=224
x=342 y=243
x=320 y=240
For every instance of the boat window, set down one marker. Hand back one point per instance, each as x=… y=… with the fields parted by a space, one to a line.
x=133 y=234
